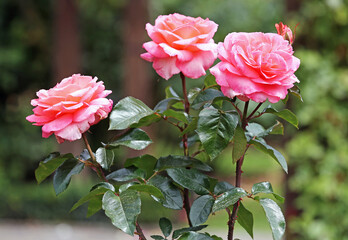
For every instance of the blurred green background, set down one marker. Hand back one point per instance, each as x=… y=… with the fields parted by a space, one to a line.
x=43 y=41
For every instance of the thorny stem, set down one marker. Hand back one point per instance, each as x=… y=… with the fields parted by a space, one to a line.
x=97 y=168
x=185 y=145
x=233 y=216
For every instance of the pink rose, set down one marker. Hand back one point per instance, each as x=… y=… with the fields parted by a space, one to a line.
x=285 y=32
x=181 y=44
x=71 y=107
x=256 y=66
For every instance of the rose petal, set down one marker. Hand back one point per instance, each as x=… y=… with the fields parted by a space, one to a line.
x=165 y=67
x=58 y=123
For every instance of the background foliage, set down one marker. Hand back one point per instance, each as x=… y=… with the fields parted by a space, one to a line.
x=317 y=153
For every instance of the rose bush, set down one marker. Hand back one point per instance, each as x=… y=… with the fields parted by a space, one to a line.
x=181 y=44
x=256 y=66
x=71 y=107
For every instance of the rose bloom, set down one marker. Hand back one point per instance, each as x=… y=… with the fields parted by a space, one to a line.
x=181 y=44
x=71 y=107
x=256 y=66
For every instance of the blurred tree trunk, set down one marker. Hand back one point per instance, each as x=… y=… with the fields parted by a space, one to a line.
x=291 y=210
x=137 y=80
x=66 y=51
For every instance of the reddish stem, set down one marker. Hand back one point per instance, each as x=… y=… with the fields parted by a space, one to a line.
x=253 y=112
x=140 y=232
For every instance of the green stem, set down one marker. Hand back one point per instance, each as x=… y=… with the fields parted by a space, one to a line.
x=97 y=166
x=244 y=118
x=187 y=206
x=233 y=216
x=89 y=149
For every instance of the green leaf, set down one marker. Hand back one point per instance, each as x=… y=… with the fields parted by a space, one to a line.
x=146 y=121
x=127 y=112
x=265 y=187
x=212 y=184
x=125 y=186
x=63 y=174
x=145 y=162
x=191 y=179
x=166 y=226
x=215 y=130
x=262 y=187
x=245 y=219
x=122 y=210
x=177 y=233
x=228 y=198
x=221 y=187
x=89 y=196
x=195 y=236
x=216 y=237
x=170 y=93
x=239 y=144
x=181 y=231
x=152 y=190
x=176 y=115
x=258 y=131
x=255 y=130
x=167 y=103
x=136 y=139
x=173 y=161
x=210 y=81
x=157 y=237
x=277 y=128
x=104 y=185
x=285 y=114
x=275 y=217
x=84 y=155
x=295 y=90
x=272 y=152
x=95 y=202
x=126 y=174
x=172 y=195
x=206 y=96
x=193 y=93
x=104 y=157
x=49 y=165
x=94 y=205
x=190 y=127
x=201 y=209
